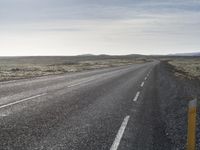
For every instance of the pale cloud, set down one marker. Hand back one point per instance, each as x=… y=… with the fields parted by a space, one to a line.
x=70 y=27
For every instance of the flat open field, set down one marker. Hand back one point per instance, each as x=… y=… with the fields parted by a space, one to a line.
x=12 y=68
x=187 y=67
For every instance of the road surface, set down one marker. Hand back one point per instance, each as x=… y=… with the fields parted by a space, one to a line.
x=107 y=109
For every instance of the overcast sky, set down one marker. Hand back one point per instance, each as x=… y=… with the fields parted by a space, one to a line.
x=71 y=27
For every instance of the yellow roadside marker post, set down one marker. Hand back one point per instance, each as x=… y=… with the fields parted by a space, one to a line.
x=191 y=133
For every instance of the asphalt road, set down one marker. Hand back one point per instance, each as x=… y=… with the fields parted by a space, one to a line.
x=106 y=109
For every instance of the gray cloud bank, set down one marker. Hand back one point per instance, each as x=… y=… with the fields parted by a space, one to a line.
x=149 y=26
x=28 y=10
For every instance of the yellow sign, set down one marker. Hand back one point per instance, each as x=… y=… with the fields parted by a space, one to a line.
x=192 y=113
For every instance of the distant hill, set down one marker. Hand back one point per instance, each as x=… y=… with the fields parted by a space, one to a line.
x=86 y=55
x=186 y=54
x=48 y=60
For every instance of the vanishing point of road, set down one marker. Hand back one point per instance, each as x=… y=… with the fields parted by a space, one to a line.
x=106 y=109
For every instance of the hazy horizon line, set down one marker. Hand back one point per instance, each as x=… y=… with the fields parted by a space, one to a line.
x=106 y=54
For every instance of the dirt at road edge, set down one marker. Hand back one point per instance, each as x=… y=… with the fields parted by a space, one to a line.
x=174 y=94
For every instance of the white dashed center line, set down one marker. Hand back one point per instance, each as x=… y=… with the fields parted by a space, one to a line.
x=136 y=96
x=23 y=100
x=142 y=84
x=120 y=134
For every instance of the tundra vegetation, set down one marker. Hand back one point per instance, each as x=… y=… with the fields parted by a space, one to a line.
x=13 y=68
x=186 y=67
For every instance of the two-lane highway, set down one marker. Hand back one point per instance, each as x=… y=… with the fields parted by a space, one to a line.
x=92 y=110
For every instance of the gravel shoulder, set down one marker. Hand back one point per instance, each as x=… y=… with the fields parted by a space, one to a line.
x=174 y=93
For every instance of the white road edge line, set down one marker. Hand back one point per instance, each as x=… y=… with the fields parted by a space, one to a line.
x=142 y=84
x=120 y=134
x=23 y=100
x=136 y=96
x=80 y=83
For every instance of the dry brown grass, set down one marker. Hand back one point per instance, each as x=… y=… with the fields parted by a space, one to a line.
x=189 y=68
x=17 y=68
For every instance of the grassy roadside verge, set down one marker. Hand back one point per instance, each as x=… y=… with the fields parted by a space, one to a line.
x=186 y=68
x=174 y=93
x=25 y=67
